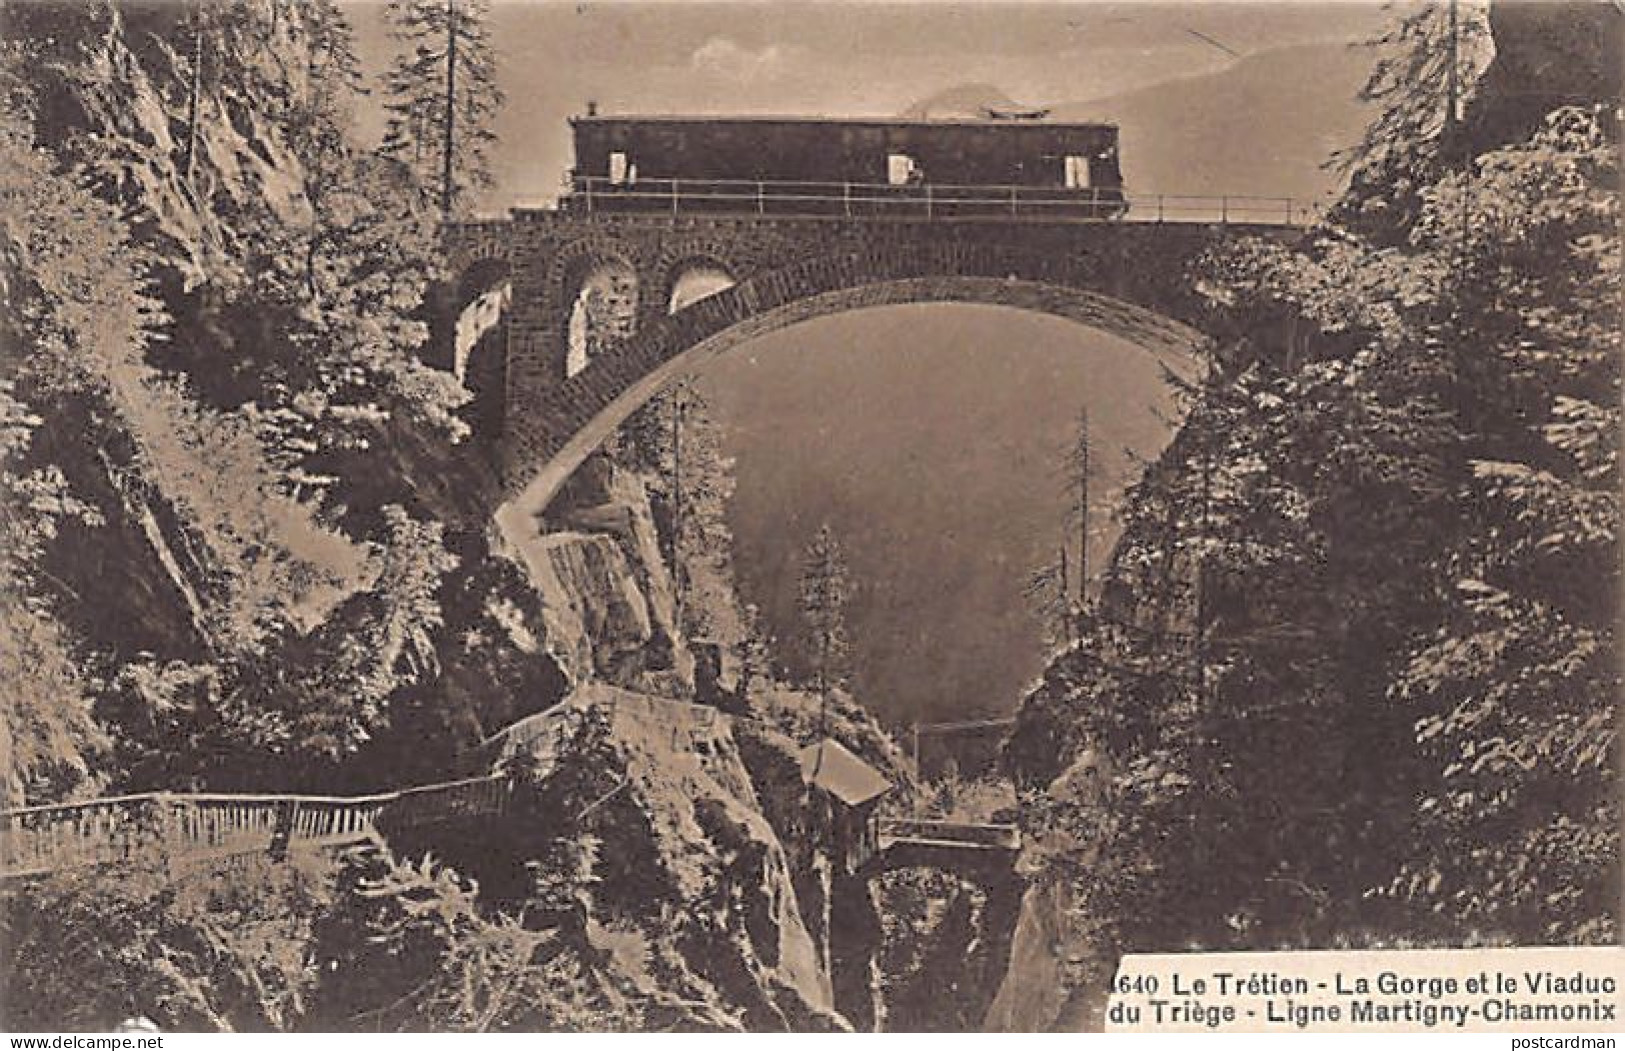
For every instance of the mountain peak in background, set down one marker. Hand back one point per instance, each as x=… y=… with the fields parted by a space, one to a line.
x=1264 y=126
x=964 y=101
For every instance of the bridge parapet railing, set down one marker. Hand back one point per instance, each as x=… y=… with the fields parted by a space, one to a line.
x=951 y=202
x=220 y=823
x=331 y=821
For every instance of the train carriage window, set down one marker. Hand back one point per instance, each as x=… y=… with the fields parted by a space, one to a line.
x=619 y=169
x=900 y=169
x=1077 y=173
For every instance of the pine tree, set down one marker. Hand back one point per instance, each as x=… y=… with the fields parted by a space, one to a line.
x=755 y=652
x=1078 y=467
x=1050 y=587
x=824 y=591
x=1428 y=60
x=702 y=486
x=442 y=96
x=198 y=30
x=674 y=441
x=315 y=124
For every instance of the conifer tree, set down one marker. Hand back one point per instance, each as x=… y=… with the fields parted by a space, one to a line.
x=824 y=591
x=197 y=30
x=1050 y=587
x=442 y=95
x=676 y=442
x=703 y=484
x=1077 y=469
x=1428 y=61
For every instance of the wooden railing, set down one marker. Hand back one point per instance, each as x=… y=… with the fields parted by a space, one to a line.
x=41 y=839
x=555 y=724
x=445 y=803
x=849 y=200
x=961 y=833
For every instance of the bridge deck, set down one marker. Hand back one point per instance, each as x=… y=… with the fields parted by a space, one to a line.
x=956 y=834
x=975 y=851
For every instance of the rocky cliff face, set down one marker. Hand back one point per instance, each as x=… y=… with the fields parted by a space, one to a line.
x=944 y=950
x=110 y=101
x=708 y=892
x=609 y=610
x=1040 y=991
x=1546 y=54
x=690 y=893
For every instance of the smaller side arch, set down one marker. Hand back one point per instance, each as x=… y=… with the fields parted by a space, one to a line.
x=600 y=292
x=578 y=255
x=687 y=278
x=465 y=307
x=481 y=295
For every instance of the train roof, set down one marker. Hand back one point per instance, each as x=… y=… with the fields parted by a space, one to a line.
x=875 y=122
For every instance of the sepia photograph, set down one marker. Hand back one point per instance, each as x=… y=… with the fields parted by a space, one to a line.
x=810 y=516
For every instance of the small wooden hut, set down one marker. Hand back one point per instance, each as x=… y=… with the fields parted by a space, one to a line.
x=844 y=792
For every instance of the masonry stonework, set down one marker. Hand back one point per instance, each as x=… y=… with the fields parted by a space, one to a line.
x=1130 y=279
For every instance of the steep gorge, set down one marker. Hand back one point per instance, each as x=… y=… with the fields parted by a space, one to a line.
x=691 y=906
x=1144 y=791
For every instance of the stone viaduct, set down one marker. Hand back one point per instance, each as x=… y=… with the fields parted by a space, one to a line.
x=1130 y=278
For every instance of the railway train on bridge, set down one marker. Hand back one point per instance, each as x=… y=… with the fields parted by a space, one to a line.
x=1001 y=167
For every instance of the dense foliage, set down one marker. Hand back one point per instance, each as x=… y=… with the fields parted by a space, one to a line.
x=824 y=590
x=206 y=950
x=1353 y=674
x=412 y=947
x=442 y=95
x=236 y=488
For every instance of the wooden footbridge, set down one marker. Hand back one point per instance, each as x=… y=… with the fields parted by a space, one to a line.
x=200 y=828
x=197 y=829
x=967 y=848
x=190 y=830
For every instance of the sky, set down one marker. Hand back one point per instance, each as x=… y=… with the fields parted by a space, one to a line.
x=843 y=58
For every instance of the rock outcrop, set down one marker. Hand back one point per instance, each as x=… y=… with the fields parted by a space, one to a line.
x=126 y=68
x=691 y=890
x=1038 y=994
x=1546 y=54
x=609 y=609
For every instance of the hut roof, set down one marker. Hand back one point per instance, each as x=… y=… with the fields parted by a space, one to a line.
x=830 y=766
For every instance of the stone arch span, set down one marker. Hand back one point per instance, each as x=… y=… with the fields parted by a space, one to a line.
x=554 y=429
